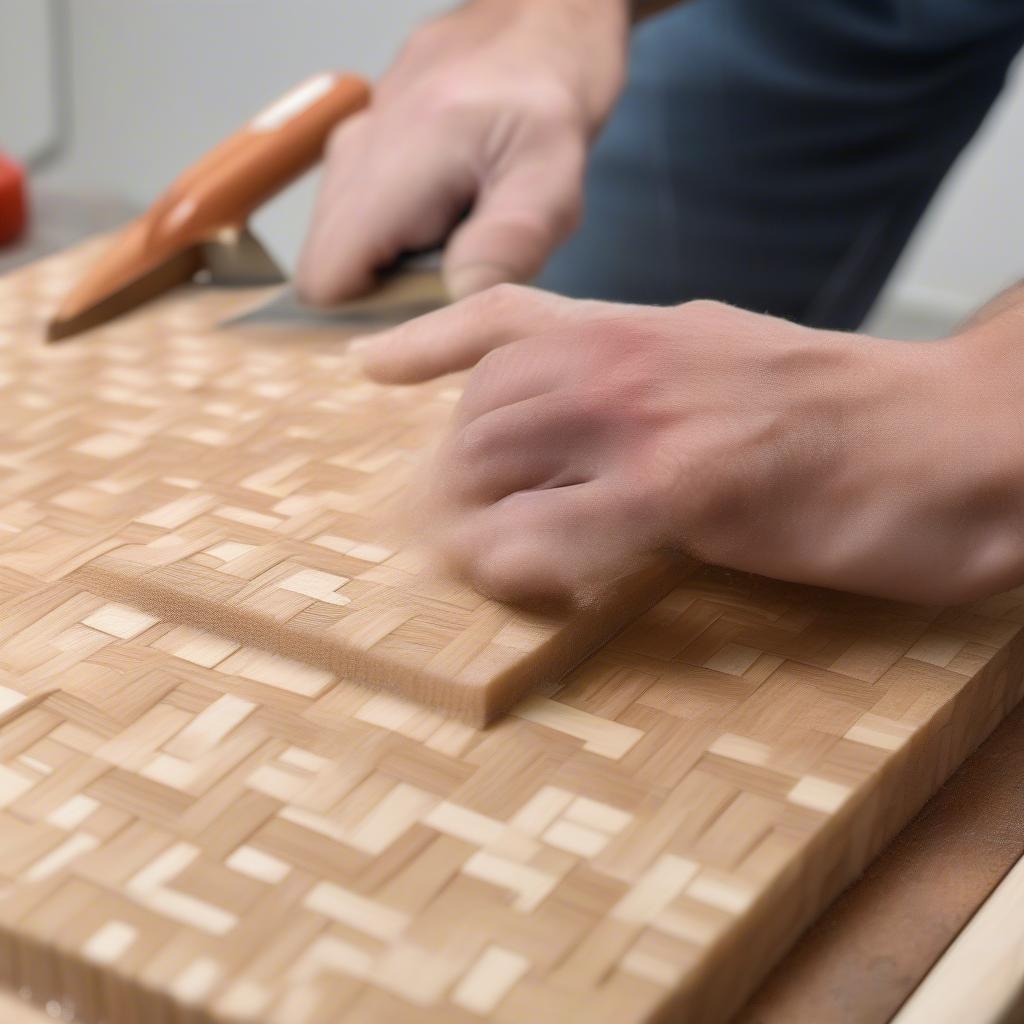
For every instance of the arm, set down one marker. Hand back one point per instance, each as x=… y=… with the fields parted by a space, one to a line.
x=490 y=109
x=591 y=435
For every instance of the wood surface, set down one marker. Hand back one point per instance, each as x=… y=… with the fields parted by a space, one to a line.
x=227 y=480
x=872 y=948
x=196 y=829
x=981 y=976
x=17 y=1011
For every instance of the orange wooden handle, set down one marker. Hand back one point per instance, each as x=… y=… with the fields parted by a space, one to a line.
x=243 y=172
x=223 y=189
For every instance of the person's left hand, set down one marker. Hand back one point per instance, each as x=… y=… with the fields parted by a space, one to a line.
x=591 y=435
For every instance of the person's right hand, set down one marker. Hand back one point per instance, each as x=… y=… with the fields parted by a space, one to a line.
x=490 y=108
x=591 y=435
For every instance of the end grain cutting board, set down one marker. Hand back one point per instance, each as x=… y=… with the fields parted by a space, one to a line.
x=250 y=482
x=197 y=829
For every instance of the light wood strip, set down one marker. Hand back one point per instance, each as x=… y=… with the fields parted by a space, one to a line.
x=981 y=976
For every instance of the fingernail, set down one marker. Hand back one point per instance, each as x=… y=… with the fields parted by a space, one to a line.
x=463 y=281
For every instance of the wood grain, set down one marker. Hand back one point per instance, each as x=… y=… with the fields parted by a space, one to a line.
x=872 y=948
x=253 y=483
x=16 y=1011
x=981 y=976
x=197 y=829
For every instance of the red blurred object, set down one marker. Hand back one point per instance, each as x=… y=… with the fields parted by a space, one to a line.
x=13 y=200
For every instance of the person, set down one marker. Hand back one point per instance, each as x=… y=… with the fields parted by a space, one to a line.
x=687 y=379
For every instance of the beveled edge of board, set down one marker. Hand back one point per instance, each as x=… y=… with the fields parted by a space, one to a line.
x=476 y=703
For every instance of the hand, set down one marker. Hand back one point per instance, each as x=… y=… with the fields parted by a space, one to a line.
x=590 y=435
x=490 y=108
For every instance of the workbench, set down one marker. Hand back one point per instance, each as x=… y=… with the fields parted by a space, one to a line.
x=204 y=820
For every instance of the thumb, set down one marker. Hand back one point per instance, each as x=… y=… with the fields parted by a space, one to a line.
x=516 y=224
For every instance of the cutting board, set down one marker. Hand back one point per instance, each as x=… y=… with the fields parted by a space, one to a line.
x=252 y=481
x=198 y=828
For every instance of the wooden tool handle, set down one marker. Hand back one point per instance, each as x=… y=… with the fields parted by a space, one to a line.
x=243 y=172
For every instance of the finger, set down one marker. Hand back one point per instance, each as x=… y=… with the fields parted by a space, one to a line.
x=375 y=202
x=518 y=221
x=529 y=368
x=567 y=543
x=532 y=444
x=457 y=337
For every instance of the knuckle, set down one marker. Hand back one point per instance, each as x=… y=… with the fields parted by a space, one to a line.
x=627 y=365
x=475 y=443
x=492 y=376
x=503 y=298
x=623 y=336
x=488 y=369
x=499 y=303
x=705 y=306
x=444 y=100
x=706 y=311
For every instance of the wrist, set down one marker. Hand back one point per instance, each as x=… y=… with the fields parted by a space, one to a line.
x=985 y=395
x=942 y=442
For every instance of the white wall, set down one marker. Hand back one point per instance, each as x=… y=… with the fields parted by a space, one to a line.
x=26 y=78
x=971 y=243
x=155 y=82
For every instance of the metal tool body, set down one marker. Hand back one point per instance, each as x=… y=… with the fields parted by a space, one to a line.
x=412 y=286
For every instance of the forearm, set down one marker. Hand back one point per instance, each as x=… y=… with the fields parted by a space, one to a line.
x=948 y=446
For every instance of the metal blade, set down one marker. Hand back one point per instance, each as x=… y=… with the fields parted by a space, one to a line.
x=409 y=289
x=237 y=258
